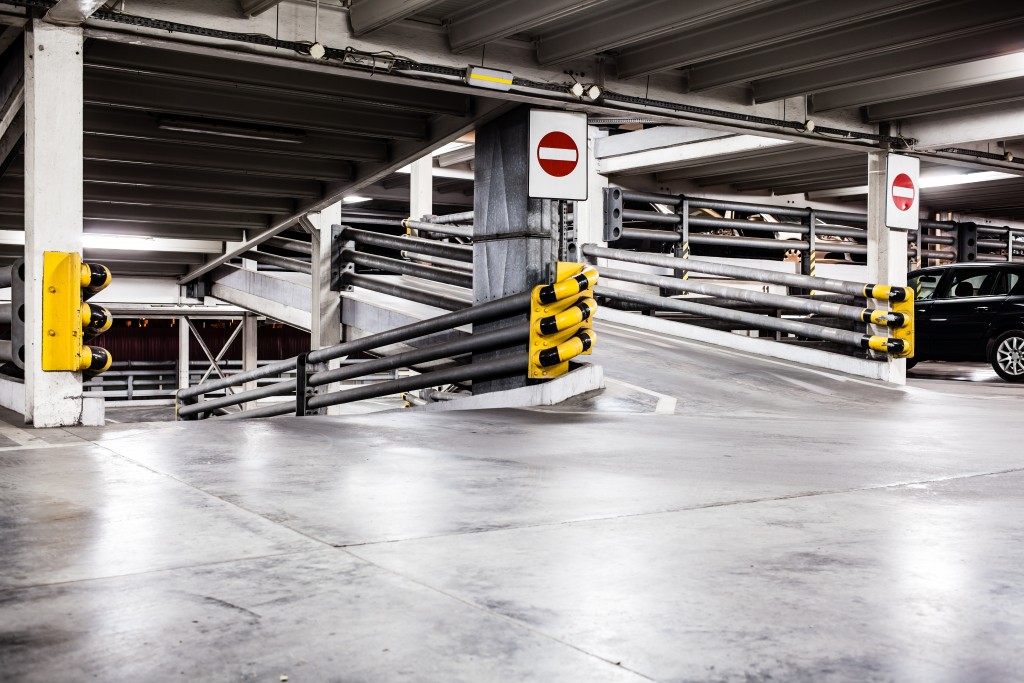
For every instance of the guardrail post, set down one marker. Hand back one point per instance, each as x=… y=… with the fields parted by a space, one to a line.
x=682 y=247
x=340 y=266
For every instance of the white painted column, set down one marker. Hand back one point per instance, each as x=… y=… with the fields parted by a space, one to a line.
x=421 y=188
x=887 y=250
x=184 y=357
x=588 y=216
x=53 y=204
x=249 y=347
x=325 y=309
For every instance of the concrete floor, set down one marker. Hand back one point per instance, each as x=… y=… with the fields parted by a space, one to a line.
x=734 y=520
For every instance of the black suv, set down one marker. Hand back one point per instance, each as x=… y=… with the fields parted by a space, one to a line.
x=971 y=312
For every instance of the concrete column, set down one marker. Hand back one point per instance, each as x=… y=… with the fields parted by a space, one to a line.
x=249 y=347
x=53 y=203
x=887 y=250
x=421 y=188
x=184 y=357
x=512 y=234
x=588 y=216
x=325 y=311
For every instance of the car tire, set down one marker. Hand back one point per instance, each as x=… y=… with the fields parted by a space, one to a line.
x=1007 y=356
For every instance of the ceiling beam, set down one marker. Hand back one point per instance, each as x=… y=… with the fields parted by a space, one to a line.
x=159 y=197
x=980 y=44
x=142 y=176
x=634 y=21
x=251 y=8
x=271 y=80
x=72 y=12
x=445 y=130
x=177 y=155
x=996 y=122
x=966 y=98
x=370 y=15
x=483 y=23
x=170 y=95
x=755 y=30
x=942 y=79
x=133 y=124
x=781 y=171
x=778 y=157
x=916 y=26
x=687 y=155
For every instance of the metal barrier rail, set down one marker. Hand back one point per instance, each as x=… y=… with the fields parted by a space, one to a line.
x=899 y=317
x=964 y=242
x=191 y=405
x=560 y=318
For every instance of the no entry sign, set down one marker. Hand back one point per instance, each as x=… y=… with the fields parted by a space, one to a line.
x=558 y=155
x=904 y=194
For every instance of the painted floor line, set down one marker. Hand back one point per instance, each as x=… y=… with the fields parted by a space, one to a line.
x=666 y=404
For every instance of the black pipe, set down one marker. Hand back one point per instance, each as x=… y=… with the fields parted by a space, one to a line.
x=298 y=246
x=495 y=339
x=502 y=367
x=280 y=261
x=448 y=277
x=415 y=245
x=506 y=307
x=395 y=289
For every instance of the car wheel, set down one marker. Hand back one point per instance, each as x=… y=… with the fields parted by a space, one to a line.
x=1008 y=356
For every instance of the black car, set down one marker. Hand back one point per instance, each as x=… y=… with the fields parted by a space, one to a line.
x=971 y=312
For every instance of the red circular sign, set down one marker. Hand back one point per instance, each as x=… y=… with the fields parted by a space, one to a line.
x=557 y=154
x=903 y=192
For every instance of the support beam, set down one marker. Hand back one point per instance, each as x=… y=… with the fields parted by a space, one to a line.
x=184 y=341
x=446 y=129
x=883 y=34
x=72 y=12
x=250 y=347
x=997 y=122
x=370 y=15
x=421 y=187
x=513 y=247
x=756 y=30
x=325 y=309
x=929 y=82
x=967 y=98
x=636 y=21
x=53 y=203
x=485 y=23
x=251 y=8
x=887 y=249
x=686 y=155
x=974 y=44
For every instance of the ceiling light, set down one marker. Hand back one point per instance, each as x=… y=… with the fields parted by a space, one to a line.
x=594 y=92
x=355 y=199
x=965 y=179
x=576 y=90
x=231 y=129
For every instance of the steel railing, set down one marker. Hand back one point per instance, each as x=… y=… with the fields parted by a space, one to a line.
x=896 y=316
x=441 y=344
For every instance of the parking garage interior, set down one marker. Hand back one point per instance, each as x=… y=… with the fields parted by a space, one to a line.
x=314 y=370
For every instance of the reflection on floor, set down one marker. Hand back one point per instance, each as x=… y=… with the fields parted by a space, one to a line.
x=767 y=523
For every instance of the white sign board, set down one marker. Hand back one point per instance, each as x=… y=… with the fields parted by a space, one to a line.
x=902 y=191
x=558 y=155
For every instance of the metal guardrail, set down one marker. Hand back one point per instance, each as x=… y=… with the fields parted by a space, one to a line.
x=436 y=363
x=807 y=231
x=897 y=316
x=312 y=371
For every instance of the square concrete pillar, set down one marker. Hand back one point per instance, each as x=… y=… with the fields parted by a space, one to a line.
x=53 y=204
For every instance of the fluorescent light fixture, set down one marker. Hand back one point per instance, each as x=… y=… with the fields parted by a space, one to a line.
x=965 y=179
x=230 y=129
x=925 y=183
x=355 y=199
